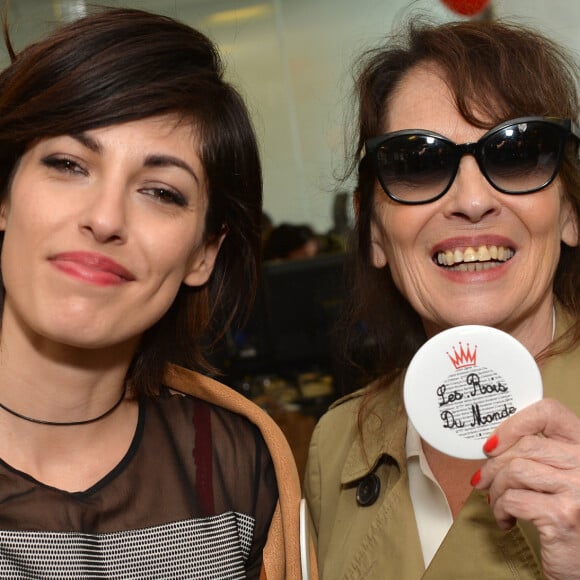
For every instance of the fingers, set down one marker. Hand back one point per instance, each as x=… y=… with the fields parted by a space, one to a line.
x=557 y=455
x=533 y=474
x=532 y=456
x=547 y=417
x=514 y=490
x=530 y=490
x=552 y=514
x=527 y=474
x=549 y=514
x=536 y=478
x=545 y=432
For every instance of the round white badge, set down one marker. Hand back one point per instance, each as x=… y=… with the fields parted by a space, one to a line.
x=463 y=382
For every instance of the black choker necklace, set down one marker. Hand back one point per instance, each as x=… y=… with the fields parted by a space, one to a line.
x=66 y=423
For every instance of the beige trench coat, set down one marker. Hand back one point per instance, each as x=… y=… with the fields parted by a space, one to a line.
x=381 y=541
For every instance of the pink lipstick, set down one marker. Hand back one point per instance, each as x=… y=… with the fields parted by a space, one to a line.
x=92 y=267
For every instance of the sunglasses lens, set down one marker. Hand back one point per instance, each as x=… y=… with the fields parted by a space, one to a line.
x=524 y=157
x=415 y=168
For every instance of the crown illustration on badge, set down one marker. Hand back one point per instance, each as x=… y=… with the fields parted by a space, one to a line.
x=463 y=357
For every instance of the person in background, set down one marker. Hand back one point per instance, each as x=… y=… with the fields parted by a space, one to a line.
x=130 y=211
x=468 y=206
x=291 y=242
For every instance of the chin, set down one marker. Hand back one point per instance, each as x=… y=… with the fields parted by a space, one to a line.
x=87 y=338
x=477 y=317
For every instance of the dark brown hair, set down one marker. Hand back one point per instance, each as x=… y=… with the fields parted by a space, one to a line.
x=498 y=69
x=119 y=65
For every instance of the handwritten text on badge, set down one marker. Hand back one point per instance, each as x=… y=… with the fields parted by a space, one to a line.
x=473 y=400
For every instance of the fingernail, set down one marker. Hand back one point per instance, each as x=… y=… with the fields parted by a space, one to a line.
x=475 y=478
x=490 y=444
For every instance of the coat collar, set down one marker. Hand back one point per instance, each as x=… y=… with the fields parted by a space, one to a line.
x=383 y=430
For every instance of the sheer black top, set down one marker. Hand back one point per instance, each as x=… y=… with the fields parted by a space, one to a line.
x=192 y=498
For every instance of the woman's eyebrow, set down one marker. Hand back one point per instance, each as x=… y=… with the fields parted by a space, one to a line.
x=161 y=160
x=88 y=141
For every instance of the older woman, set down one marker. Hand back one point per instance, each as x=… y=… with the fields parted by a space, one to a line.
x=130 y=210
x=467 y=213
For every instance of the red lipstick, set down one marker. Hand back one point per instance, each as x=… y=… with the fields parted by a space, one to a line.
x=92 y=267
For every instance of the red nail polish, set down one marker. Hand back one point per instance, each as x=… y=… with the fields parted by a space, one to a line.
x=475 y=478
x=491 y=444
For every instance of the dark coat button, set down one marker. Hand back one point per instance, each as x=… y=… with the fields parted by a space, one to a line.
x=368 y=489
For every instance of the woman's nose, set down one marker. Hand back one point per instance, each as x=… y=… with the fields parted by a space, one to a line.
x=104 y=217
x=471 y=196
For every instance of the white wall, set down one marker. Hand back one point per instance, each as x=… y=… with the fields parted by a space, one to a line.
x=291 y=60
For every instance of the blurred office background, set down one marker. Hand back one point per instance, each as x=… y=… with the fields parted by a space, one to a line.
x=292 y=61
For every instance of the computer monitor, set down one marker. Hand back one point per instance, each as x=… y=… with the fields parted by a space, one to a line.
x=297 y=305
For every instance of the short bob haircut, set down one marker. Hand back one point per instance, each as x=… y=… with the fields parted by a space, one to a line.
x=119 y=65
x=499 y=70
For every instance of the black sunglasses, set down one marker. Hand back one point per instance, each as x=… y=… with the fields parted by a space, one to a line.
x=518 y=156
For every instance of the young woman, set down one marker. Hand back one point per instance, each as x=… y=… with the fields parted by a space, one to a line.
x=130 y=210
x=467 y=213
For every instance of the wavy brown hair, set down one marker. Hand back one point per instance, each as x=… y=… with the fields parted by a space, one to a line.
x=502 y=69
x=119 y=65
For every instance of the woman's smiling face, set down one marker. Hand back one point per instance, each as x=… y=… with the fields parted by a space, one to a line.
x=101 y=229
x=474 y=256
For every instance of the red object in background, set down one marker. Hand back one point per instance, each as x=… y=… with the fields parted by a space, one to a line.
x=466 y=7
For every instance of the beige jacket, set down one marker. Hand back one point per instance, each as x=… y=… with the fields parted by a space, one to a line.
x=282 y=550
x=381 y=541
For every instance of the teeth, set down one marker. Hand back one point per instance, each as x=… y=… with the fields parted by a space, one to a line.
x=484 y=254
x=469 y=255
x=474 y=260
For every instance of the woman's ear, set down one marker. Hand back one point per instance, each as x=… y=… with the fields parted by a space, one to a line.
x=377 y=250
x=203 y=261
x=3 y=214
x=569 y=225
